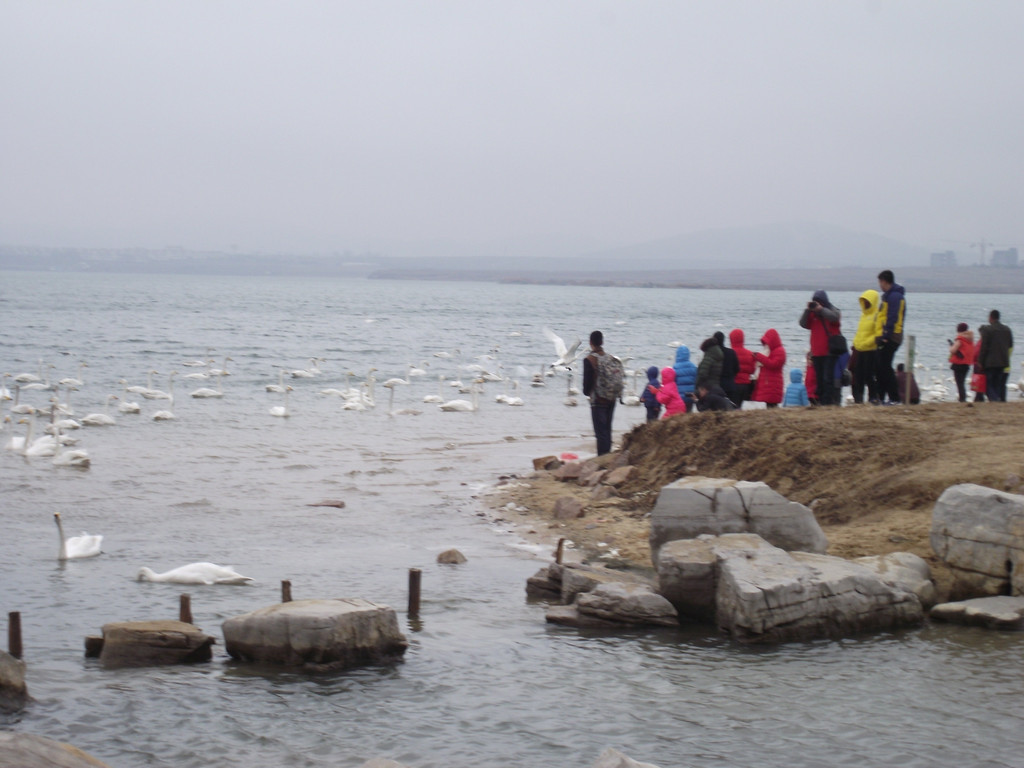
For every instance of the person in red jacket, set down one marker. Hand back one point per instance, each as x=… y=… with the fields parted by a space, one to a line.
x=961 y=358
x=745 y=363
x=769 y=388
x=669 y=395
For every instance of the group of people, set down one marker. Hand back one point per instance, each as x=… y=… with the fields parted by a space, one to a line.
x=728 y=376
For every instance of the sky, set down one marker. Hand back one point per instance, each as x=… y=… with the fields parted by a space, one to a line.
x=305 y=126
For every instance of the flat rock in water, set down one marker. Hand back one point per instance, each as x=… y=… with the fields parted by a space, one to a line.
x=979 y=533
x=338 y=503
x=906 y=571
x=337 y=634
x=694 y=506
x=623 y=603
x=1000 y=612
x=26 y=750
x=570 y=616
x=382 y=762
x=153 y=643
x=13 y=693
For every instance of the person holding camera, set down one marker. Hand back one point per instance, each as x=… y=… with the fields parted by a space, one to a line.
x=821 y=318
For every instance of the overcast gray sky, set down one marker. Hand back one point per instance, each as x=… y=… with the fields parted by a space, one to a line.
x=314 y=126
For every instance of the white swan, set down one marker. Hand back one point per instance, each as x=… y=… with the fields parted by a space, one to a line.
x=28 y=378
x=77 y=547
x=41 y=446
x=199 y=363
x=279 y=387
x=168 y=414
x=464 y=406
x=74 y=381
x=309 y=373
x=22 y=409
x=127 y=406
x=207 y=392
x=101 y=419
x=138 y=389
x=45 y=384
x=438 y=398
x=282 y=410
x=196 y=573
x=222 y=371
x=76 y=458
x=566 y=355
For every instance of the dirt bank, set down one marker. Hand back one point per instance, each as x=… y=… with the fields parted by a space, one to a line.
x=870 y=474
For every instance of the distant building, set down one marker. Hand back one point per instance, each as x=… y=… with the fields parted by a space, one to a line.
x=944 y=259
x=1007 y=258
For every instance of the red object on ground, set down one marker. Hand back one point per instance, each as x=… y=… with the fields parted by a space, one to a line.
x=568 y=457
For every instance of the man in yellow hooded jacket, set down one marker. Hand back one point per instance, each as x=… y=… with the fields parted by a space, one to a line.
x=864 y=366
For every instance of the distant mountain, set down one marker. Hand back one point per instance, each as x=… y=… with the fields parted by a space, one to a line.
x=773 y=246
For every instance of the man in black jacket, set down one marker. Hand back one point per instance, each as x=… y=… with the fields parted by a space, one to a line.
x=601 y=409
x=994 y=356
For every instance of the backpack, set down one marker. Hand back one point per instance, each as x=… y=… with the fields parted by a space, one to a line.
x=610 y=378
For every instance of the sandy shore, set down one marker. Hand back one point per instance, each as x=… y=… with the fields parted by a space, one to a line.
x=871 y=475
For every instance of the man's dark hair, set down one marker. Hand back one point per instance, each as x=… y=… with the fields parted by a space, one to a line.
x=719 y=337
x=993 y=315
x=887 y=276
x=597 y=338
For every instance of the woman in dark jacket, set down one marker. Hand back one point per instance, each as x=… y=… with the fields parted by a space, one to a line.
x=710 y=368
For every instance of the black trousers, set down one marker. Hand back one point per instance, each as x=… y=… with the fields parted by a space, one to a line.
x=960 y=376
x=601 y=414
x=825 y=373
x=887 y=386
x=995 y=384
x=865 y=375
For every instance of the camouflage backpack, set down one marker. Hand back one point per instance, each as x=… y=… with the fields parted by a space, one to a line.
x=610 y=377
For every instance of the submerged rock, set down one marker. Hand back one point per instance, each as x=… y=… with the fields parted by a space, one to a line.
x=979 y=533
x=336 y=633
x=26 y=750
x=693 y=506
x=153 y=643
x=612 y=758
x=13 y=692
x=451 y=557
x=991 y=612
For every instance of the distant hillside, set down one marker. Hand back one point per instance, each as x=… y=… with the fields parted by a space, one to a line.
x=773 y=246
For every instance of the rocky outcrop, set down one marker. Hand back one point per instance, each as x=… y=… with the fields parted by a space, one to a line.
x=25 y=750
x=616 y=604
x=612 y=758
x=13 y=693
x=561 y=583
x=979 y=533
x=760 y=593
x=693 y=506
x=990 y=612
x=337 y=633
x=906 y=571
x=451 y=557
x=151 y=643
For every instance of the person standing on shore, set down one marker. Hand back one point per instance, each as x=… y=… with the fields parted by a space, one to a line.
x=769 y=388
x=710 y=368
x=730 y=368
x=865 y=348
x=961 y=358
x=686 y=375
x=821 y=318
x=602 y=383
x=650 y=396
x=893 y=311
x=994 y=357
x=745 y=366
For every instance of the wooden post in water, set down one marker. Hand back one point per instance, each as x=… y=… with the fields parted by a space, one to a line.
x=911 y=350
x=14 y=634
x=414 y=591
x=286 y=591
x=185 y=609
x=558 y=552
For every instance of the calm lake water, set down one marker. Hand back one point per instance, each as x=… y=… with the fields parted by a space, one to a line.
x=485 y=681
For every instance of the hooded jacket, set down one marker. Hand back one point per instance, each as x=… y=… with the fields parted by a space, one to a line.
x=869 y=327
x=710 y=368
x=668 y=395
x=686 y=371
x=650 y=393
x=961 y=351
x=822 y=322
x=744 y=357
x=893 y=310
x=769 y=387
x=796 y=392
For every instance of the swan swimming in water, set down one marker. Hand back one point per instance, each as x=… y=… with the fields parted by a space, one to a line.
x=282 y=410
x=207 y=392
x=76 y=547
x=101 y=419
x=196 y=573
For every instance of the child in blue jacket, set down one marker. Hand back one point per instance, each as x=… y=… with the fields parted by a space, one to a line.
x=650 y=396
x=796 y=392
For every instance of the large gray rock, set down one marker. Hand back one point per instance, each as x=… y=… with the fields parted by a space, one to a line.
x=25 y=750
x=904 y=570
x=627 y=604
x=153 y=643
x=693 y=506
x=992 y=612
x=13 y=693
x=382 y=762
x=612 y=758
x=336 y=633
x=979 y=533
x=768 y=595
